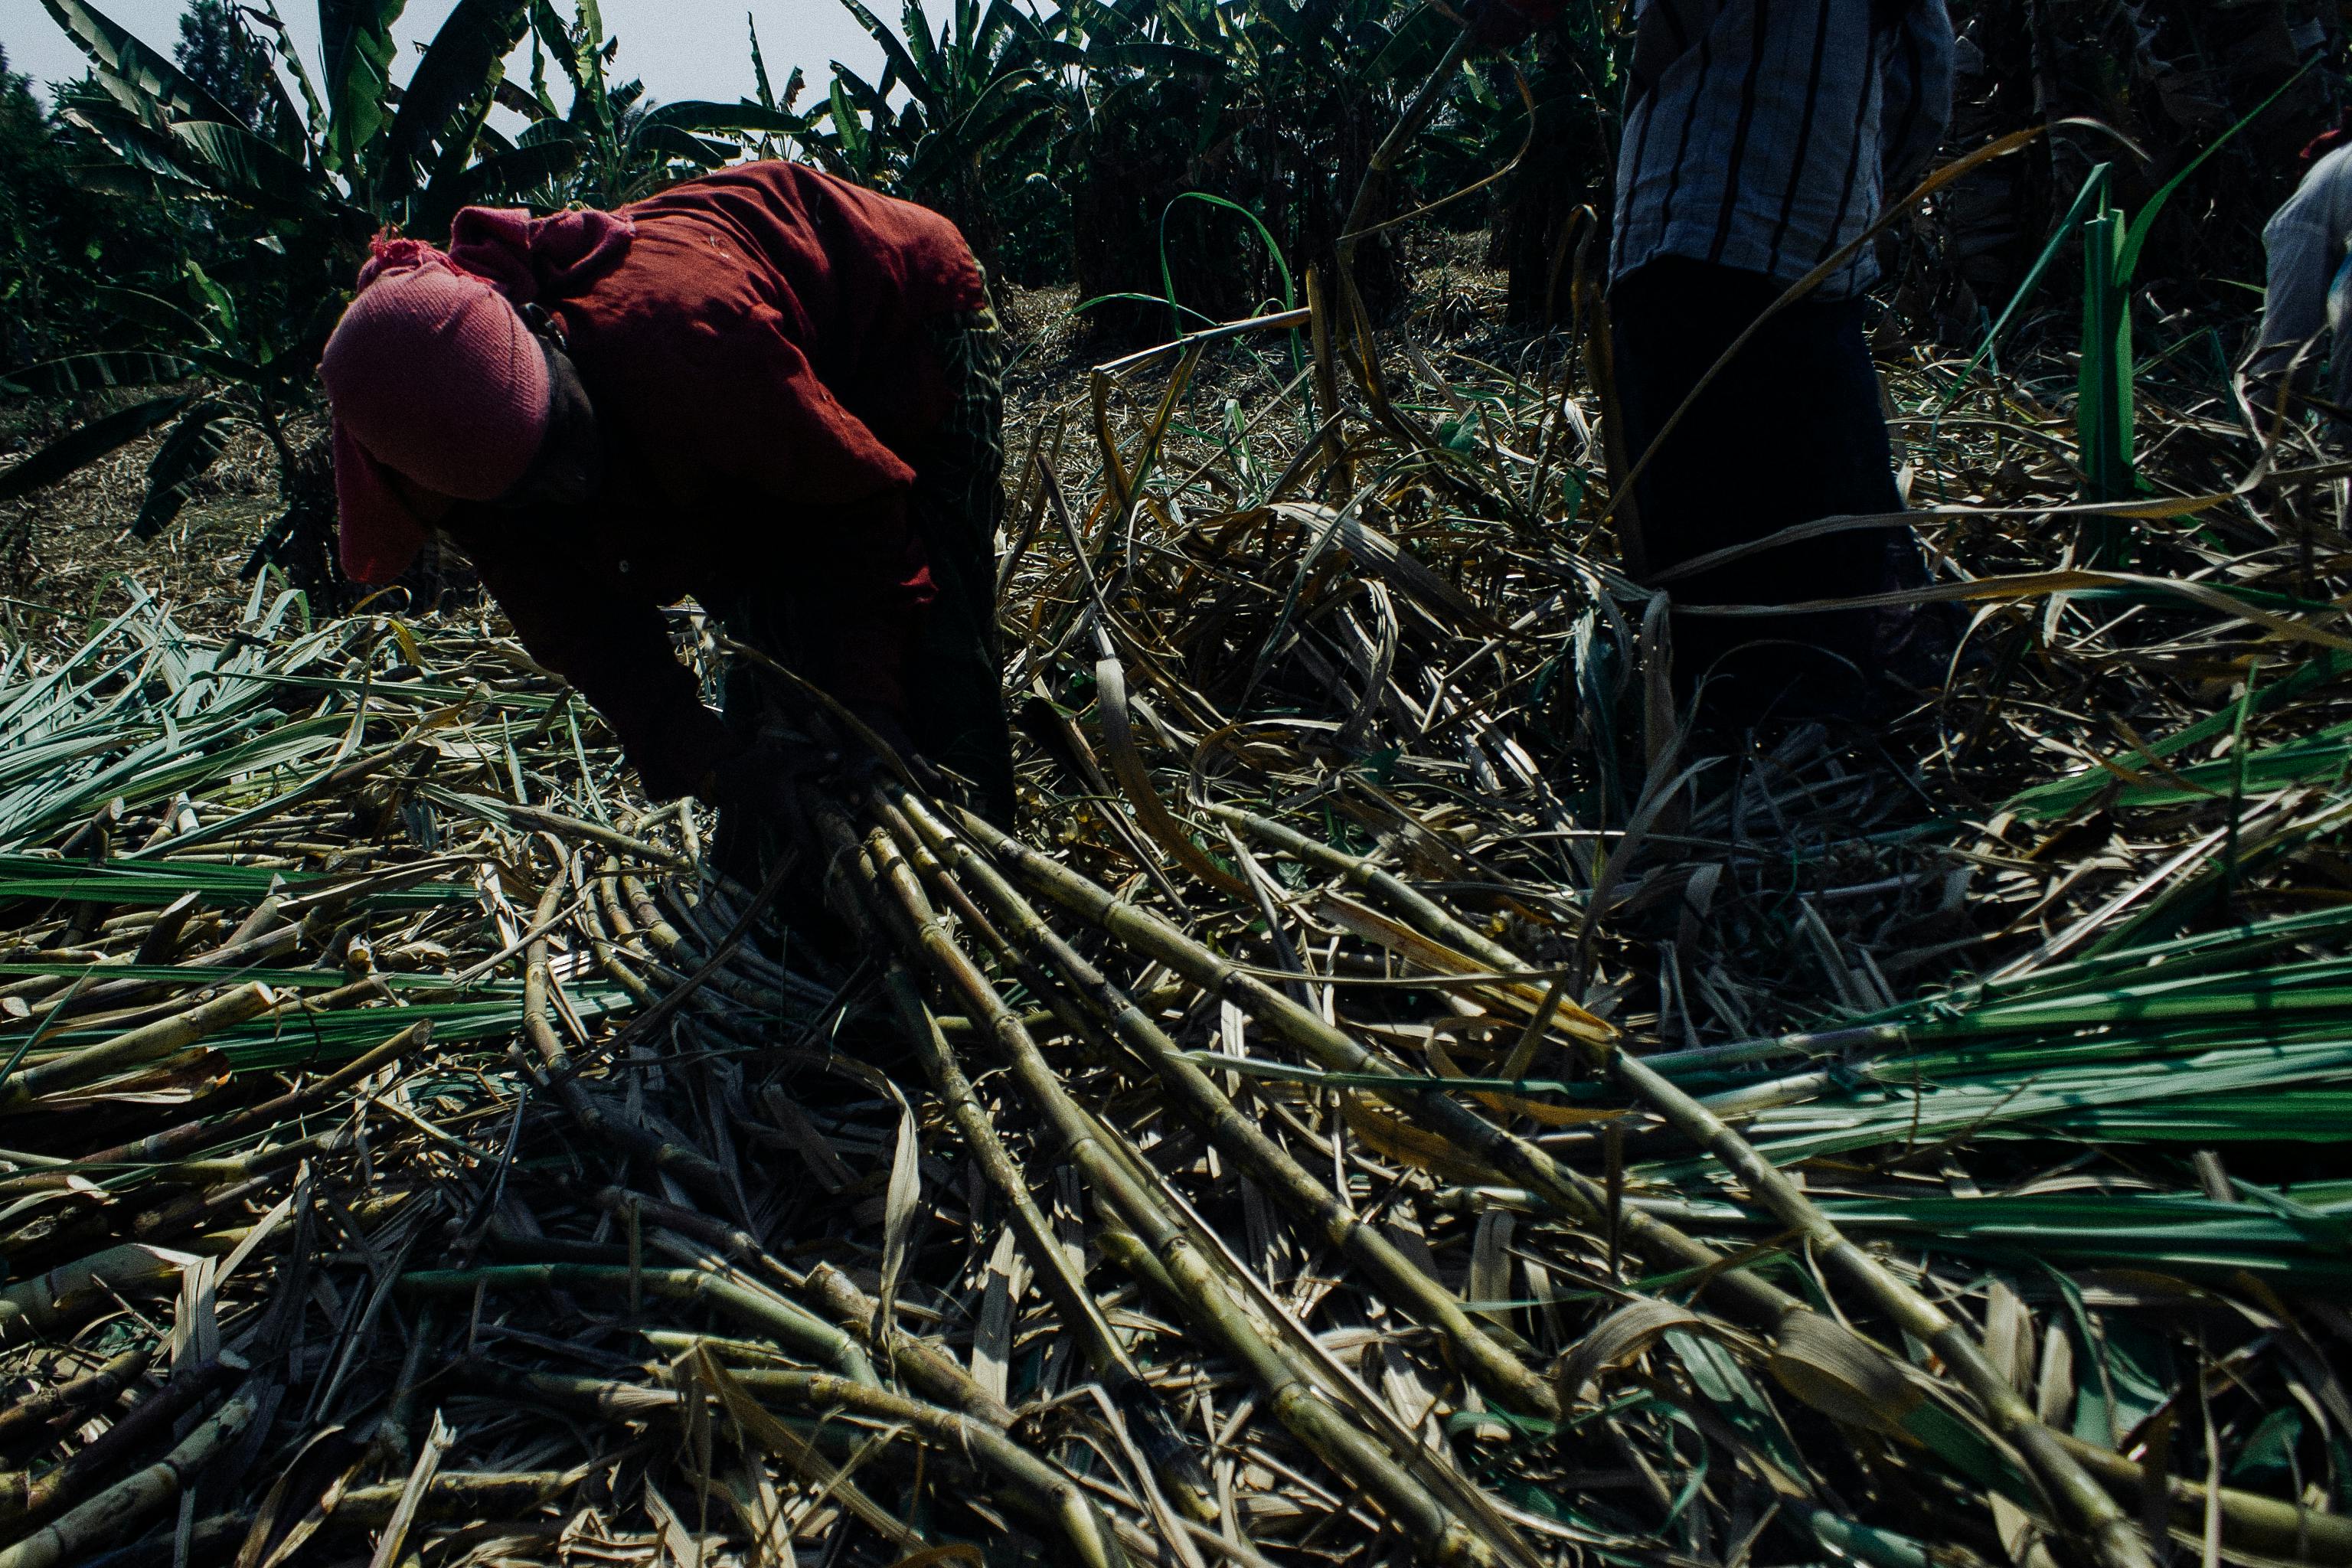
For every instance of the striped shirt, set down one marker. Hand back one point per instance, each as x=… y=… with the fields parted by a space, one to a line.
x=1763 y=134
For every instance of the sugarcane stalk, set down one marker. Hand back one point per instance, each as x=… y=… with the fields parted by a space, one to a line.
x=145 y=1043
x=832 y=1292
x=173 y=1142
x=611 y=928
x=2112 y=1535
x=47 y=1406
x=28 y=1499
x=452 y=1497
x=696 y=955
x=615 y=1399
x=926 y=1366
x=787 y=1324
x=1181 y=1473
x=2250 y=1523
x=123 y=1507
x=449 y=1497
x=1426 y=1099
x=618 y=1399
x=509 y=813
x=1048 y=1491
x=1488 y=1363
x=1289 y=1389
x=33 y=1304
x=600 y=942
x=687 y=1164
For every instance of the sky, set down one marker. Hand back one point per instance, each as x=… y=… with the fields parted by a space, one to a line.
x=683 y=48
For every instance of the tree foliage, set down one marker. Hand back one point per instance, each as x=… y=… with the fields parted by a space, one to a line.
x=199 y=211
x=216 y=51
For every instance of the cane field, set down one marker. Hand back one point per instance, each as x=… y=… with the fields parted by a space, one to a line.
x=1404 y=1089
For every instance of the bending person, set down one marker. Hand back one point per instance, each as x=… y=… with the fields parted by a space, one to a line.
x=2307 y=283
x=766 y=388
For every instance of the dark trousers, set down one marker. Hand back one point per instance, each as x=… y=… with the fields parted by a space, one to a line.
x=954 y=680
x=1790 y=430
x=955 y=691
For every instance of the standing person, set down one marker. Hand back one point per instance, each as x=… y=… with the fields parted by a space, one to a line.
x=2305 y=245
x=766 y=388
x=1762 y=136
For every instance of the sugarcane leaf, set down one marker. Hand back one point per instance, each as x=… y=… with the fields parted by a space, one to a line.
x=899 y=1202
x=1716 y=1372
x=2268 y=1452
x=85 y=444
x=2136 y=1380
x=79 y=375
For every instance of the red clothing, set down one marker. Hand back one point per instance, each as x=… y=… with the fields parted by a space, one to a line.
x=758 y=363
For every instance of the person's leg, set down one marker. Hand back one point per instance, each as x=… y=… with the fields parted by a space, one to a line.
x=1789 y=431
x=757 y=615
x=955 y=692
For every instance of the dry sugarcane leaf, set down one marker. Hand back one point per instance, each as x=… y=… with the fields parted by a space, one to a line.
x=899 y=1204
x=412 y=1495
x=1405 y=943
x=930 y=1556
x=701 y=1365
x=321 y=1471
x=1620 y=1337
x=1832 y=1369
x=1135 y=782
x=1007 y=1279
x=1392 y=1135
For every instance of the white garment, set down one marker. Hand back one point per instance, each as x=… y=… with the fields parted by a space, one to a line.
x=2304 y=242
x=1765 y=134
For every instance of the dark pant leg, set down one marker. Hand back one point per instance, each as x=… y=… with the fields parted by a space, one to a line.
x=955 y=687
x=1791 y=430
x=758 y=615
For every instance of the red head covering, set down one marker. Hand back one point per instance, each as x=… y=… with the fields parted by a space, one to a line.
x=433 y=373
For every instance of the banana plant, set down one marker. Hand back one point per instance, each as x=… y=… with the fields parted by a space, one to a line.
x=1272 y=106
x=619 y=148
x=974 y=124
x=292 y=204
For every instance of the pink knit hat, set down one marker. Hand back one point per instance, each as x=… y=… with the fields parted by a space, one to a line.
x=432 y=373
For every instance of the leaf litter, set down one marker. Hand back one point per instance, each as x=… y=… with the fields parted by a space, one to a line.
x=1400 y=1095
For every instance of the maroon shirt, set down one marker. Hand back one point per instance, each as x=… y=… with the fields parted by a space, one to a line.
x=762 y=378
